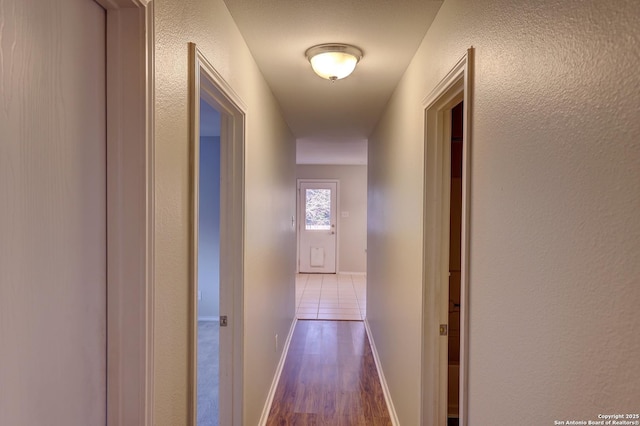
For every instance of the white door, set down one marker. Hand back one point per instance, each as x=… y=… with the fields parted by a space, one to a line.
x=317 y=226
x=52 y=213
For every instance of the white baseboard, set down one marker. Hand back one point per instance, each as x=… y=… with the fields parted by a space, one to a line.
x=383 y=381
x=276 y=377
x=209 y=319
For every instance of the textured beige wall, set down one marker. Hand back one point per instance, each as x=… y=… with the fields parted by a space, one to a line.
x=555 y=228
x=270 y=203
x=352 y=232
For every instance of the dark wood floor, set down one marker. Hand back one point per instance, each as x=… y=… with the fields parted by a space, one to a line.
x=329 y=378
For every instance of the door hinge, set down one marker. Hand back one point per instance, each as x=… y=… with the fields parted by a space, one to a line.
x=443 y=329
x=223 y=321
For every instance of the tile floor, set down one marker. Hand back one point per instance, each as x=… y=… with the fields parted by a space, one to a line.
x=331 y=296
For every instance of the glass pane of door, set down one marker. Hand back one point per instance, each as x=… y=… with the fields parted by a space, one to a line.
x=318 y=209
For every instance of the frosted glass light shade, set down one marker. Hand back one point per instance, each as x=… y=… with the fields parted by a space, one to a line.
x=333 y=61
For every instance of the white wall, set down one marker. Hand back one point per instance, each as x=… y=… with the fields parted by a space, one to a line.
x=352 y=231
x=270 y=204
x=555 y=228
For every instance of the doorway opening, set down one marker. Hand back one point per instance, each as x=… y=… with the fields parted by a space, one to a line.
x=446 y=239
x=455 y=229
x=217 y=213
x=331 y=280
x=208 y=280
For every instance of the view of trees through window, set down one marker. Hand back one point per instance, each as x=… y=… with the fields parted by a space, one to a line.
x=318 y=209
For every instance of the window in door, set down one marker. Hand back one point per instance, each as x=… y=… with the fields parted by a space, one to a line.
x=318 y=210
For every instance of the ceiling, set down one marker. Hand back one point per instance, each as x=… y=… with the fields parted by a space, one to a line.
x=321 y=113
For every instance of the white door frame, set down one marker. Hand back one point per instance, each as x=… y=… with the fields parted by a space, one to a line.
x=130 y=211
x=300 y=219
x=207 y=82
x=453 y=89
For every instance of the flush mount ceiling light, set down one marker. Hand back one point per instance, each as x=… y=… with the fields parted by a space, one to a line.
x=333 y=61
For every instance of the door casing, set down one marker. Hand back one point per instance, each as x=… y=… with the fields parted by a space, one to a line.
x=130 y=211
x=207 y=83
x=453 y=89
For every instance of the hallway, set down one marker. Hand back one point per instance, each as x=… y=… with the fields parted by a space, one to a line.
x=329 y=378
x=100 y=135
